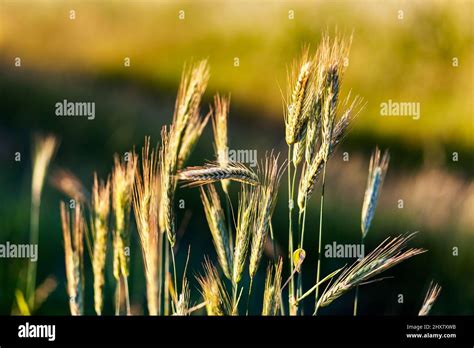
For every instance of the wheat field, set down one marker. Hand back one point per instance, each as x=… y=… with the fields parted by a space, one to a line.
x=141 y=194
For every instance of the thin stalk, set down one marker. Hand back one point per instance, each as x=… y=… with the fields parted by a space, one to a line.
x=174 y=272
x=117 y=298
x=282 y=308
x=167 y=282
x=290 y=223
x=307 y=293
x=320 y=235
x=248 y=298
x=197 y=307
x=229 y=221
x=302 y=223
x=356 y=298
x=34 y=235
x=160 y=271
x=127 y=295
x=234 y=298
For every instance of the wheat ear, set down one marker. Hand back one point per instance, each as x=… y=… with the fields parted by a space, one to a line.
x=215 y=295
x=388 y=254
x=249 y=198
x=209 y=173
x=271 y=295
x=377 y=170
x=299 y=90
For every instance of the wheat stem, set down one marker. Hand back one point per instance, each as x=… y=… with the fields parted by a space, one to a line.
x=302 y=223
x=127 y=295
x=290 y=232
x=174 y=269
x=234 y=298
x=34 y=235
x=356 y=298
x=248 y=297
x=117 y=298
x=307 y=293
x=229 y=221
x=318 y=271
x=167 y=282
x=160 y=271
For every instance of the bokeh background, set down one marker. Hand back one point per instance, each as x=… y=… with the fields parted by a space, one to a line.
x=403 y=59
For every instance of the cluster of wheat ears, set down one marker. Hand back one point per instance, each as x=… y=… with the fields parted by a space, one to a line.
x=315 y=122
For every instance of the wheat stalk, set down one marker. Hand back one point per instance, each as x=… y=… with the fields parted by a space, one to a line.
x=123 y=176
x=44 y=149
x=217 y=224
x=430 y=298
x=388 y=254
x=100 y=229
x=377 y=170
x=73 y=234
x=209 y=173
x=146 y=201
x=326 y=88
x=271 y=295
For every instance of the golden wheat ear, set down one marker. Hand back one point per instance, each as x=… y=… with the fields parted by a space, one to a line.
x=209 y=173
x=388 y=254
x=271 y=295
x=248 y=202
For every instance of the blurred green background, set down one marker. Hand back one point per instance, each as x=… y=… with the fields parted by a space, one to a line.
x=403 y=51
